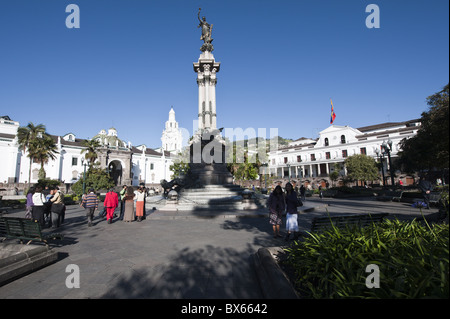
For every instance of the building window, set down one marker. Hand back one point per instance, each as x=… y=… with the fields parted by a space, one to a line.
x=326 y=141
x=299 y=158
x=344 y=153
x=342 y=139
x=74 y=161
x=151 y=166
x=285 y=160
x=313 y=157
x=363 y=151
x=327 y=155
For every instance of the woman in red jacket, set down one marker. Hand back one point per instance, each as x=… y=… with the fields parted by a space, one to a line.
x=111 y=202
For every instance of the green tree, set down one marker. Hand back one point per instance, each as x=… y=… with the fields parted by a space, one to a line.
x=25 y=136
x=179 y=168
x=334 y=176
x=34 y=140
x=180 y=164
x=41 y=150
x=96 y=178
x=240 y=165
x=430 y=147
x=90 y=150
x=361 y=168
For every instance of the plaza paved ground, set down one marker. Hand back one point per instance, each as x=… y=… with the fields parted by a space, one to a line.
x=171 y=255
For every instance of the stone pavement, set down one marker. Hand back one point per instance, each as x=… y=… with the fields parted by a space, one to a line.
x=190 y=255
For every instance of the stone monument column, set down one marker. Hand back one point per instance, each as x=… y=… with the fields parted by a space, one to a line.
x=206 y=69
x=207 y=147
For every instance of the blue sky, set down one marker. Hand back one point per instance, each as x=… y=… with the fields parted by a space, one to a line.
x=281 y=62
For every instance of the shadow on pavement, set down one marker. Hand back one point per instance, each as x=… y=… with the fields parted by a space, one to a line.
x=210 y=272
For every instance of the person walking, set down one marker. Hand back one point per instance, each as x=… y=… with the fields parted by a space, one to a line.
x=128 y=215
x=48 y=193
x=57 y=207
x=111 y=202
x=319 y=186
x=122 y=201
x=426 y=188
x=90 y=203
x=292 y=202
x=277 y=205
x=38 y=206
x=302 y=192
x=29 y=204
x=140 y=200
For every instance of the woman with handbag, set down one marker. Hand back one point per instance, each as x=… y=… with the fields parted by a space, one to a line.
x=292 y=202
x=276 y=204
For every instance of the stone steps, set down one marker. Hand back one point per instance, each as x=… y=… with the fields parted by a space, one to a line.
x=218 y=197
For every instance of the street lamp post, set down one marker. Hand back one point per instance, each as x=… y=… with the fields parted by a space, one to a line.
x=84 y=177
x=387 y=148
x=381 y=157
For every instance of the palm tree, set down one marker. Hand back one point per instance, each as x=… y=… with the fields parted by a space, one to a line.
x=25 y=136
x=41 y=149
x=91 y=150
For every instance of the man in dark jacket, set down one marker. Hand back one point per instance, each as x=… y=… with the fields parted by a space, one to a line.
x=426 y=188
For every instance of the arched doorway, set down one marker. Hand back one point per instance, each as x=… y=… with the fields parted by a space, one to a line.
x=115 y=171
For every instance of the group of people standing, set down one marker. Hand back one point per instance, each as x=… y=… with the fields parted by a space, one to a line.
x=127 y=198
x=280 y=202
x=46 y=206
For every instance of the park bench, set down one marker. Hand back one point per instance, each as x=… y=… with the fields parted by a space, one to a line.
x=319 y=224
x=330 y=193
x=435 y=198
x=25 y=229
x=394 y=196
x=3 y=209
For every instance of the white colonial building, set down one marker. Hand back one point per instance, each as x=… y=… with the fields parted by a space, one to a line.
x=127 y=164
x=312 y=160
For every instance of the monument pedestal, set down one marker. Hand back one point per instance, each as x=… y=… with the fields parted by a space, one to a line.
x=207 y=159
x=211 y=183
x=211 y=174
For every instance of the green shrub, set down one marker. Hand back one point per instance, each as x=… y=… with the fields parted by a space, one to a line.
x=96 y=178
x=413 y=260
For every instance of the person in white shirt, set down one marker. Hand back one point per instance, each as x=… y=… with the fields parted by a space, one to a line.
x=38 y=206
x=140 y=200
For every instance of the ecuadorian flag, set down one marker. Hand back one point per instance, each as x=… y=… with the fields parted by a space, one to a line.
x=333 y=115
